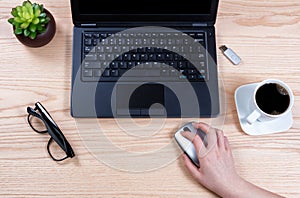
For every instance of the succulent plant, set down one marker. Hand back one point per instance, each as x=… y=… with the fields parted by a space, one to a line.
x=29 y=19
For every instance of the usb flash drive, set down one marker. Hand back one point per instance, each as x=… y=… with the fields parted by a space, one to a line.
x=231 y=55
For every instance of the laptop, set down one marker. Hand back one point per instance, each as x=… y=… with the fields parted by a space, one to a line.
x=144 y=59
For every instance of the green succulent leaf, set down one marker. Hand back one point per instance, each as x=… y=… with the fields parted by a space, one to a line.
x=26 y=15
x=24 y=25
x=43 y=30
x=19 y=9
x=27 y=5
x=18 y=31
x=26 y=32
x=32 y=27
x=41 y=7
x=43 y=15
x=43 y=20
x=24 y=9
x=24 y=3
x=18 y=20
x=39 y=27
x=37 y=10
x=11 y=21
x=32 y=35
x=35 y=21
x=47 y=20
x=14 y=12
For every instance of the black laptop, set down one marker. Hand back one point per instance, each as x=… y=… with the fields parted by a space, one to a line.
x=144 y=59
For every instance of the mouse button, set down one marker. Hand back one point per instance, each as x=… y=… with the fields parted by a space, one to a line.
x=186 y=129
x=182 y=141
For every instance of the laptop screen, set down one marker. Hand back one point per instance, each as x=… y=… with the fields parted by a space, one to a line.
x=145 y=7
x=92 y=11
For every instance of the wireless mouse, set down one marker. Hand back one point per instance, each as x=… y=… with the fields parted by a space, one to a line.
x=186 y=145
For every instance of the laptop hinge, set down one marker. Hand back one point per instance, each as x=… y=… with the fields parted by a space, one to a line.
x=89 y=25
x=199 y=25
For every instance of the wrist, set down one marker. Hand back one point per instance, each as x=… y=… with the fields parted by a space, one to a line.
x=234 y=188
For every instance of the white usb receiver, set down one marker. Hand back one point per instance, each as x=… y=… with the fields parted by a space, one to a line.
x=231 y=55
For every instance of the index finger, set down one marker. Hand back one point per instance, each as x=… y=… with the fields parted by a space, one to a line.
x=202 y=126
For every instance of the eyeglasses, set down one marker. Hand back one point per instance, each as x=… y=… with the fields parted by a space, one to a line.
x=51 y=128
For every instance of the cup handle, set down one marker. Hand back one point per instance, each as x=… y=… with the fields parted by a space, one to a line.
x=253 y=117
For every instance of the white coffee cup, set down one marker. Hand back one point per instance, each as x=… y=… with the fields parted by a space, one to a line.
x=260 y=106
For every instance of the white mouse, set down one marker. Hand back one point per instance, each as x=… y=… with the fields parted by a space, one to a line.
x=186 y=145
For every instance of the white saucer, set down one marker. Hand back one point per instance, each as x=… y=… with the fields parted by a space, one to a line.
x=242 y=101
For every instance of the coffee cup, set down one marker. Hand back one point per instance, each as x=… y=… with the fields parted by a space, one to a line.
x=270 y=100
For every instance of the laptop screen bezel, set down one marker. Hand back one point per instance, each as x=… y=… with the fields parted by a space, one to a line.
x=79 y=19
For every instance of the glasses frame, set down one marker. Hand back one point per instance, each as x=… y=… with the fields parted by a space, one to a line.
x=52 y=129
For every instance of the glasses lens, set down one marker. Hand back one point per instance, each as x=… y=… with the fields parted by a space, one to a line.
x=55 y=151
x=37 y=124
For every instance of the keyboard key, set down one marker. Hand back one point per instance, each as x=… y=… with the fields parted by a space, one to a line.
x=144 y=57
x=169 y=57
x=152 y=57
x=177 y=57
x=87 y=42
x=160 y=57
x=141 y=73
x=201 y=77
x=199 y=35
x=122 y=65
x=141 y=50
x=114 y=65
x=96 y=35
x=102 y=57
x=182 y=65
x=127 y=57
x=88 y=73
x=173 y=64
x=192 y=71
x=91 y=57
x=87 y=35
x=149 y=49
x=164 y=72
x=192 y=77
x=89 y=49
x=135 y=57
x=130 y=64
x=95 y=42
x=97 y=72
x=103 y=35
x=114 y=73
x=173 y=72
x=106 y=73
x=91 y=64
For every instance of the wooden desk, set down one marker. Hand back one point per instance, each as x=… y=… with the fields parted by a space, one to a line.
x=266 y=35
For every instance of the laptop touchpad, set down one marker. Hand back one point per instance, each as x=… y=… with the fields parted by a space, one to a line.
x=143 y=100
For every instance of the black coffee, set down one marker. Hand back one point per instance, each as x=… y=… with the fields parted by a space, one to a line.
x=272 y=99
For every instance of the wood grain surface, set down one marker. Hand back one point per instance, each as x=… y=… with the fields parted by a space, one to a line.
x=266 y=35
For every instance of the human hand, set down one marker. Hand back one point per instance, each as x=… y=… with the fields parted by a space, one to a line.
x=217 y=171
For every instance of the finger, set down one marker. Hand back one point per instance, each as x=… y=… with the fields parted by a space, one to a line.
x=197 y=142
x=191 y=167
x=211 y=138
x=220 y=136
x=202 y=126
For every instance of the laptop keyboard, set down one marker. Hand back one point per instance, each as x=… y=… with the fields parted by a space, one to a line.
x=134 y=57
